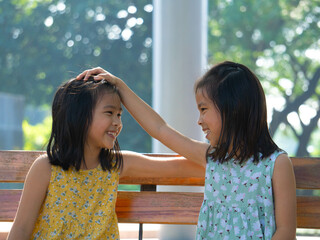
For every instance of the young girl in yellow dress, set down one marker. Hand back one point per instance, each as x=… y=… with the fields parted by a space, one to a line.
x=71 y=192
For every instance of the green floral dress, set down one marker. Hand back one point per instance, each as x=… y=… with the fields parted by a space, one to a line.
x=238 y=201
x=79 y=205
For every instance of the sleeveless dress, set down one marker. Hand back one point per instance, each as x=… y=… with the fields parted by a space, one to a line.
x=238 y=200
x=79 y=205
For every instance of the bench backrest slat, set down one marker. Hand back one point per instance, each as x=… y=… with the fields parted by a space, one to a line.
x=9 y=203
x=15 y=165
x=308 y=212
x=307 y=172
x=165 y=207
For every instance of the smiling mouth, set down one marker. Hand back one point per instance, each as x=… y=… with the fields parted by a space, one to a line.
x=114 y=134
x=206 y=131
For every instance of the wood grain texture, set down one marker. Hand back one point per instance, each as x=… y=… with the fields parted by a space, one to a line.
x=308 y=212
x=165 y=207
x=307 y=172
x=15 y=165
x=9 y=200
x=131 y=207
x=158 y=207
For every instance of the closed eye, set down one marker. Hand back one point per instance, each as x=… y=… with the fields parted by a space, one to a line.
x=108 y=112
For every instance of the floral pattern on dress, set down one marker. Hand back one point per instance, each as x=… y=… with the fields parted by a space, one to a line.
x=79 y=205
x=238 y=200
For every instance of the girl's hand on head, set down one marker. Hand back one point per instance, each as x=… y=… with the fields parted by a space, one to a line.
x=87 y=73
x=108 y=77
x=98 y=74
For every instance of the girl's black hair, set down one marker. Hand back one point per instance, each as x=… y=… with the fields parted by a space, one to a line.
x=72 y=111
x=239 y=96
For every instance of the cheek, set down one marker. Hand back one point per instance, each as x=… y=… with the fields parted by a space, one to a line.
x=120 y=128
x=217 y=118
x=218 y=127
x=215 y=124
x=218 y=122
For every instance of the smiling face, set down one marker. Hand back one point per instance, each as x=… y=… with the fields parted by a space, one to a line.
x=210 y=118
x=106 y=122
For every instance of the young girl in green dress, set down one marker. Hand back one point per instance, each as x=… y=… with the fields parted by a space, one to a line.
x=249 y=181
x=71 y=192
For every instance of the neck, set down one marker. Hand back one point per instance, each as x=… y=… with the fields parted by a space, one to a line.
x=91 y=157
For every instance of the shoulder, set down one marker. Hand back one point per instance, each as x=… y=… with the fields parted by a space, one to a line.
x=41 y=168
x=276 y=156
x=282 y=161
x=283 y=166
x=42 y=162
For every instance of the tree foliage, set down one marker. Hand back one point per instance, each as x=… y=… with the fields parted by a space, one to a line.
x=36 y=136
x=280 y=41
x=46 y=42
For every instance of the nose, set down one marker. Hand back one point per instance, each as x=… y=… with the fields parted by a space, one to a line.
x=200 y=120
x=117 y=121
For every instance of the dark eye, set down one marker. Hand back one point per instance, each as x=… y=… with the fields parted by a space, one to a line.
x=109 y=112
x=119 y=114
x=203 y=109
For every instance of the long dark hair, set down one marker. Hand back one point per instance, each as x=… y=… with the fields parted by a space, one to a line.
x=239 y=96
x=72 y=110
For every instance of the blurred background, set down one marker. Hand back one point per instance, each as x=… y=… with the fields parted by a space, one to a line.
x=46 y=42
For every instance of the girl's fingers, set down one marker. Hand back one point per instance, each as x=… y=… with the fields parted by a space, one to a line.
x=87 y=73
x=81 y=75
x=84 y=75
x=98 y=77
x=101 y=76
x=106 y=76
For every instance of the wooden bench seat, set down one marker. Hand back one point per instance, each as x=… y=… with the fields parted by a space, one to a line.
x=158 y=207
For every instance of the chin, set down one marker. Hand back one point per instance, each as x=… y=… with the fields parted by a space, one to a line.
x=110 y=146
x=107 y=146
x=213 y=144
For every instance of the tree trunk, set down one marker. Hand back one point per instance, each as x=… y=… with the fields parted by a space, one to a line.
x=305 y=136
x=293 y=106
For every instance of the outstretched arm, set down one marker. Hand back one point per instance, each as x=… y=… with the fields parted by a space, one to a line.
x=139 y=165
x=151 y=121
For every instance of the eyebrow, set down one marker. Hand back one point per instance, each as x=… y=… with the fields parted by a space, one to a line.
x=113 y=107
x=201 y=104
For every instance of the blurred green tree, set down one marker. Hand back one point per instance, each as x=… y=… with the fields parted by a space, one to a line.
x=280 y=41
x=44 y=43
x=36 y=136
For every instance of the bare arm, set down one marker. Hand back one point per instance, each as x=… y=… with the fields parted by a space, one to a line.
x=138 y=165
x=152 y=122
x=284 y=190
x=35 y=188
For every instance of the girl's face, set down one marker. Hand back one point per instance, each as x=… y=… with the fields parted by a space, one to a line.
x=210 y=118
x=106 y=122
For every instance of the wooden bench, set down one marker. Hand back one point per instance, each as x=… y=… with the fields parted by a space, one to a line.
x=149 y=206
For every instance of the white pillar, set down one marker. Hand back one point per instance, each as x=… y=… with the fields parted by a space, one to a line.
x=179 y=58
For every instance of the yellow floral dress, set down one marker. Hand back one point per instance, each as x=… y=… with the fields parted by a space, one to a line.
x=79 y=205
